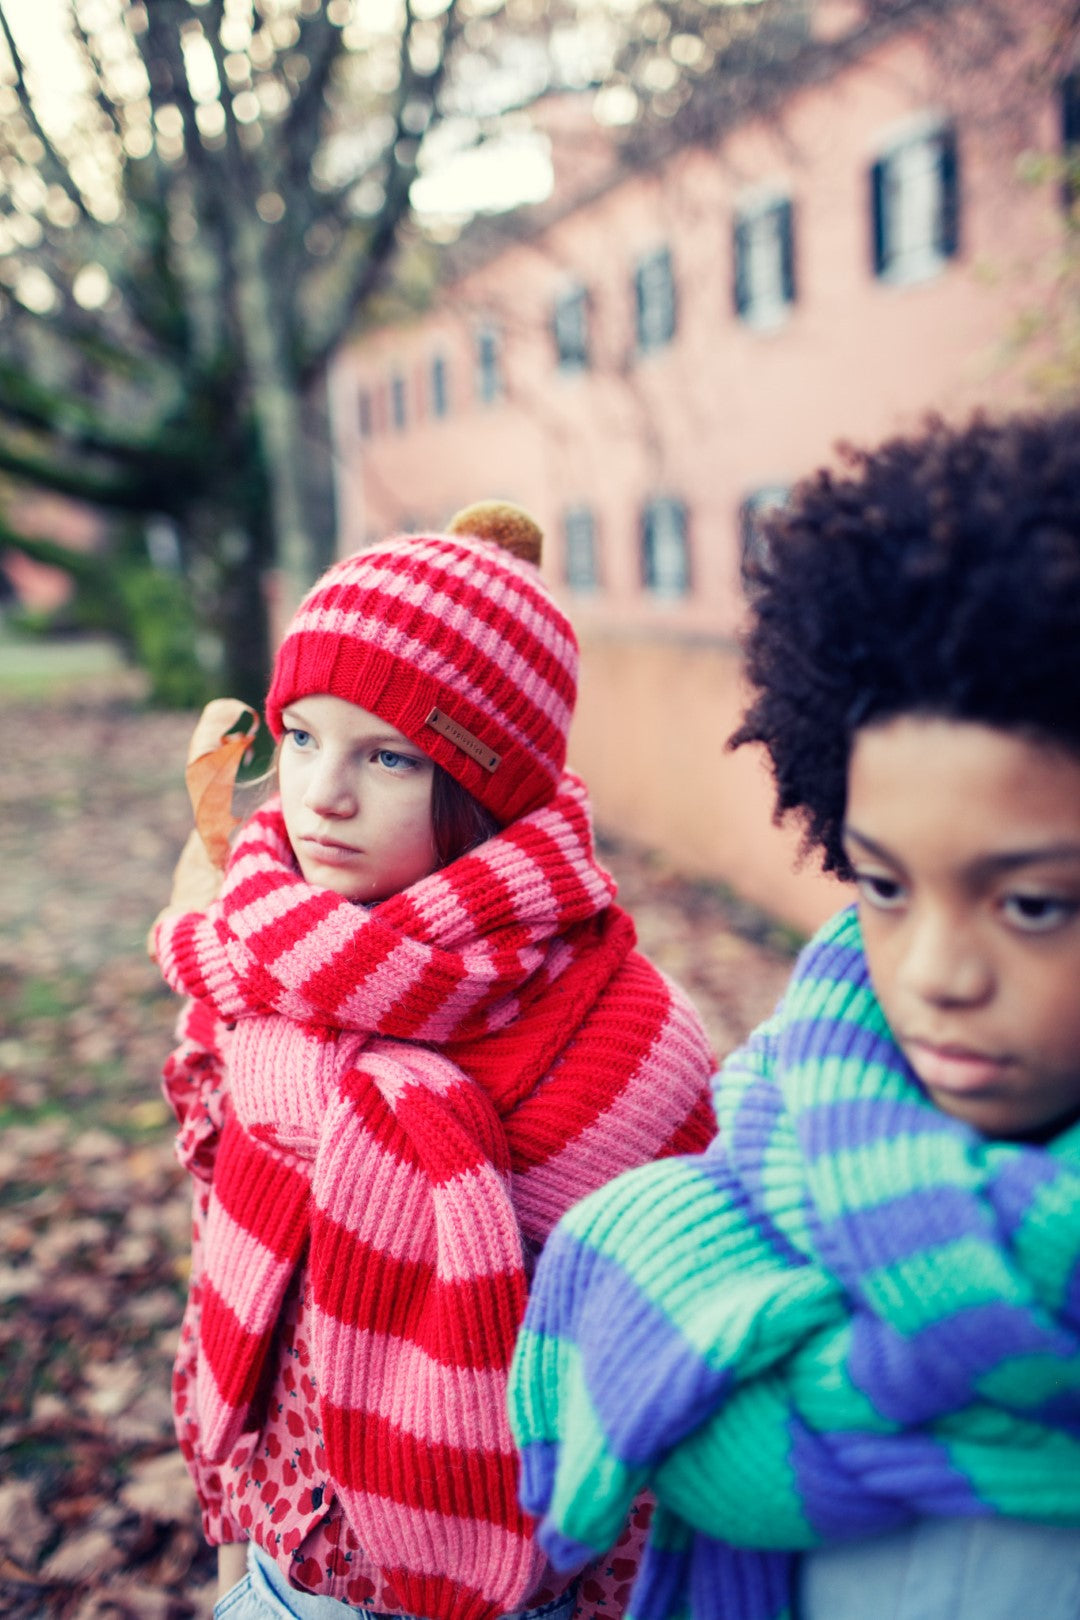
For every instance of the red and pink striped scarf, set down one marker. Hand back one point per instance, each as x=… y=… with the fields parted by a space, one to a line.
x=417 y=1091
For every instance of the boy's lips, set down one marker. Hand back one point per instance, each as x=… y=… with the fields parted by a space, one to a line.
x=952 y=1068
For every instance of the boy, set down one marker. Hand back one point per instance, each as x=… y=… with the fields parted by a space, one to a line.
x=843 y=1346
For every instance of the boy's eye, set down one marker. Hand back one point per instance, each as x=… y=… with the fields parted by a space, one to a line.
x=1038 y=913
x=878 y=890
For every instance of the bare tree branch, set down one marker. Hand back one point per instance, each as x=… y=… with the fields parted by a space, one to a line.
x=382 y=235
x=55 y=165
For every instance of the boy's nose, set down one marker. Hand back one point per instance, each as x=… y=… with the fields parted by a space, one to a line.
x=943 y=963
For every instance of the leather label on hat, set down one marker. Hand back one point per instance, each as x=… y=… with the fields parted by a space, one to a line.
x=463 y=739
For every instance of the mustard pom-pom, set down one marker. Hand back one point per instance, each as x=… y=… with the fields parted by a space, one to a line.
x=508 y=525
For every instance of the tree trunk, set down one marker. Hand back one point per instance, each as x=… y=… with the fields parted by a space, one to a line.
x=276 y=408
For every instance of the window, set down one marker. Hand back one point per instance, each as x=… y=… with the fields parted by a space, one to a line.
x=440 y=387
x=665 y=554
x=488 y=379
x=1070 y=138
x=915 y=197
x=571 y=324
x=752 y=513
x=654 y=291
x=364 y=414
x=580 y=558
x=398 y=402
x=764 y=262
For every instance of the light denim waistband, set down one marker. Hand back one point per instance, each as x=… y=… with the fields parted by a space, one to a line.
x=269 y=1581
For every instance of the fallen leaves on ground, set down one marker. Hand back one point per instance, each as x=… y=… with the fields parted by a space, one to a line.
x=98 y=1520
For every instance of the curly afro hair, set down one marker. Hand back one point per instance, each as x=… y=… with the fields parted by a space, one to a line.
x=937 y=575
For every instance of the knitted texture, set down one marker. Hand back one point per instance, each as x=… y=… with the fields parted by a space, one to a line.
x=412 y=1181
x=851 y=1311
x=450 y=623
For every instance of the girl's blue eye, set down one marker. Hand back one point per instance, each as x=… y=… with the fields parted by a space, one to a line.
x=395 y=762
x=298 y=738
x=882 y=892
x=1038 y=913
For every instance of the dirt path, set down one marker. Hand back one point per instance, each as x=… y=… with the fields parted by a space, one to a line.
x=96 y=1518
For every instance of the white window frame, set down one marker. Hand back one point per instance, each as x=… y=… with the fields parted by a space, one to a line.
x=754 y=506
x=763 y=244
x=911 y=238
x=439 y=366
x=399 y=402
x=665 y=549
x=580 y=537
x=656 y=312
x=489 y=393
x=571 y=305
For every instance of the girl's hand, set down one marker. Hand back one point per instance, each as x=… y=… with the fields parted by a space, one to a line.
x=231 y=1566
x=217 y=746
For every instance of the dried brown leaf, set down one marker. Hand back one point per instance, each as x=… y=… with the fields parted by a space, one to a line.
x=15 y=1574
x=23 y=1527
x=125 y=1601
x=82 y=1558
x=222 y=736
x=161 y=1489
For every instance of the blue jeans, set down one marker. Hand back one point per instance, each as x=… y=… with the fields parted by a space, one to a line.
x=265 y=1594
x=947 y=1569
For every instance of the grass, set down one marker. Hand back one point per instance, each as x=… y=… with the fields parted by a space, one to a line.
x=32 y=666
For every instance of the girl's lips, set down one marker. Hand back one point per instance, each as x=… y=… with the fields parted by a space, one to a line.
x=954 y=1068
x=329 y=853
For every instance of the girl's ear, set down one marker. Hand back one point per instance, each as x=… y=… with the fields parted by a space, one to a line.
x=508 y=525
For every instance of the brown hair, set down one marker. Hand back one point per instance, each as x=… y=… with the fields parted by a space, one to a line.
x=458 y=821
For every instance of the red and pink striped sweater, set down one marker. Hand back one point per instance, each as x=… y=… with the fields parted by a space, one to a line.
x=409 y=1097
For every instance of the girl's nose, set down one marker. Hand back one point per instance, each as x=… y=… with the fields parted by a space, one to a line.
x=943 y=963
x=330 y=789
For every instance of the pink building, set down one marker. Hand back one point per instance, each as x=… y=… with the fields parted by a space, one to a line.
x=647 y=369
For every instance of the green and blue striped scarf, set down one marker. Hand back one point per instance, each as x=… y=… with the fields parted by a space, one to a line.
x=850 y=1312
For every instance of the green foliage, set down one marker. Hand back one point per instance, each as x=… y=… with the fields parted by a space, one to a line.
x=147 y=610
x=162 y=634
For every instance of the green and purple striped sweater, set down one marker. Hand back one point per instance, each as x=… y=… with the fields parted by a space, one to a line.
x=850 y=1312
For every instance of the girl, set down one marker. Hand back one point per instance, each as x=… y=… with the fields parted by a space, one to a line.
x=418 y=1031
x=850 y=1332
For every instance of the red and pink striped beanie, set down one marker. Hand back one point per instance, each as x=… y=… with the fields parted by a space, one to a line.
x=455 y=641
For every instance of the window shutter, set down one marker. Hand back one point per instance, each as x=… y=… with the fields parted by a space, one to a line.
x=640 y=304
x=439 y=393
x=742 y=255
x=878 y=175
x=668 y=275
x=559 y=324
x=398 y=402
x=787 y=248
x=949 y=217
x=570 y=326
x=1070 y=110
x=489 y=381
x=1070 y=139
